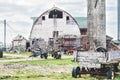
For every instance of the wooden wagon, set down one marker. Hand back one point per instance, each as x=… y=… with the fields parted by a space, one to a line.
x=97 y=63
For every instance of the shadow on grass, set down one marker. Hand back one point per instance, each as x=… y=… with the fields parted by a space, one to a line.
x=17 y=77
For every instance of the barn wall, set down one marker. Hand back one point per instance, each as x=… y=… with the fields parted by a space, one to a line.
x=19 y=42
x=44 y=28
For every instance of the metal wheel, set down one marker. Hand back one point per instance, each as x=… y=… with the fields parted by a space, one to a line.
x=59 y=56
x=1 y=53
x=76 y=72
x=111 y=74
x=41 y=55
x=116 y=69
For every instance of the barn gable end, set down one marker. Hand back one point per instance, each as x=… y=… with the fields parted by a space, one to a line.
x=45 y=24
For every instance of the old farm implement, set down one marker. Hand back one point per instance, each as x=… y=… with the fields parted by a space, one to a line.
x=102 y=56
x=100 y=62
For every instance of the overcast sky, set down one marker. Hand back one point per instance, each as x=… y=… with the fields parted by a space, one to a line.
x=18 y=13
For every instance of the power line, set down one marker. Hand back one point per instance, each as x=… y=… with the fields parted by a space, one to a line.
x=11 y=28
x=1 y=22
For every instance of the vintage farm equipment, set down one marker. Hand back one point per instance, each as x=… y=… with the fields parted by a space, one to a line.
x=56 y=54
x=38 y=48
x=39 y=52
x=100 y=62
x=97 y=60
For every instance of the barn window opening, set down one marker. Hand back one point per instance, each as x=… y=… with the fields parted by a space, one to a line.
x=67 y=18
x=43 y=17
x=32 y=42
x=56 y=14
x=37 y=39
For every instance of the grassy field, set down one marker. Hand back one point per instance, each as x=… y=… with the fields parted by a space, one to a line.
x=10 y=58
x=50 y=69
x=43 y=69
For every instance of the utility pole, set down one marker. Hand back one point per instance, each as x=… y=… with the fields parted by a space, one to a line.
x=5 y=35
x=118 y=19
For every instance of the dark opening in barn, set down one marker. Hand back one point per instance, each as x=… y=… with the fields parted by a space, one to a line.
x=56 y=14
x=43 y=17
x=67 y=18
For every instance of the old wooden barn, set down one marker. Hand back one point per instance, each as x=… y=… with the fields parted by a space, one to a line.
x=54 y=25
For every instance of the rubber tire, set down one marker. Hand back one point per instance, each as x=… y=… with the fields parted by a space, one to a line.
x=116 y=69
x=41 y=56
x=59 y=56
x=1 y=53
x=75 y=72
x=111 y=74
x=45 y=56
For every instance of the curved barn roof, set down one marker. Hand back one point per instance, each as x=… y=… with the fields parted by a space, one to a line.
x=82 y=21
x=54 y=8
x=50 y=13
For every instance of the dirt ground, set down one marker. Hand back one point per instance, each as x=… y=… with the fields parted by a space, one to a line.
x=8 y=69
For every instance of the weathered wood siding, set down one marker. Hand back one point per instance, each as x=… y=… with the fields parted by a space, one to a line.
x=91 y=59
x=44 y=28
